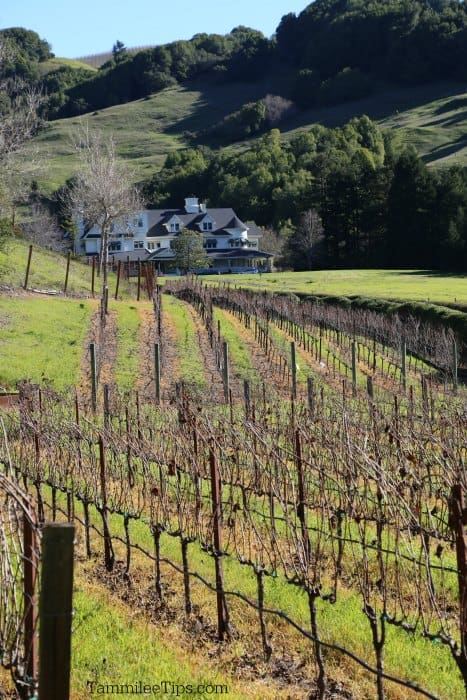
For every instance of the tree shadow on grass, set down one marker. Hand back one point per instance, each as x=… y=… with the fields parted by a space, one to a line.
x=430 y=273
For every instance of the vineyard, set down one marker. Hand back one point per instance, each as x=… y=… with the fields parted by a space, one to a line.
x=289 y=478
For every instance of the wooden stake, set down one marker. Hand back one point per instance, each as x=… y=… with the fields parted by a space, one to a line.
x=28 y=267
x=93 y=276
x=56 y=611
x=354 y=369
x=222 y=622
x=119 y=268
x=30 y=612
x=92 y=350
x=68 y=258
x=294 y=369
x=157 y=372
x=225 y=370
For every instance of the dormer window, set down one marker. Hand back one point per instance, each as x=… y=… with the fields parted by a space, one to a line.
x=207 y=225
x=174 y=227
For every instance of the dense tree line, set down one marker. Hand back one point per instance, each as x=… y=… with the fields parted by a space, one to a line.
x=341 y=48
x=128 y=77
x=378 y=202
x=334 y=50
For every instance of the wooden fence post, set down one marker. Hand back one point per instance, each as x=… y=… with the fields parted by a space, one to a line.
x=138 y=293
x=67 y=273
x=109 y=557
x=294 y=369
x=117 y=285
x=225 y=370
x=30 y=611
x=458 y=523
x=157 y=371
x=93 y=276
x=92 y=350
x=222 y=613
x=55 y=611
x=354 y=369
x=28 y=267
x=404 y=364
x=246 y=394
x=301 y=504
x=311 y=397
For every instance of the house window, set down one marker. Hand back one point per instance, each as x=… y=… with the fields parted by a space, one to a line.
x=115 y=246
x=207 y=226
x=140 y=222
x=211 y=243
x=137 y=245
x=174 y=227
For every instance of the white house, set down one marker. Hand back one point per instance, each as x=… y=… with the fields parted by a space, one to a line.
x=231 y=245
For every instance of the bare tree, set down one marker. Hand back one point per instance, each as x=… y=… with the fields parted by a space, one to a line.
x=302 y=244
x=102 y=193
x=43 y=229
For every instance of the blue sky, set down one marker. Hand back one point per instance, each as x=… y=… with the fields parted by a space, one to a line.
x=92 y=26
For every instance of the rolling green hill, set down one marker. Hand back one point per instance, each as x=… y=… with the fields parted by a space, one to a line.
x=432 y=117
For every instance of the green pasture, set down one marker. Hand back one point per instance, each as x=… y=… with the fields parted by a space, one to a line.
x=47 y=271
x=411 y=285
x=145 y=130
x=41 y=340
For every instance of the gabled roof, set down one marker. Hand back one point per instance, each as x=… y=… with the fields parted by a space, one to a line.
x=236 y=223
x=222 y=218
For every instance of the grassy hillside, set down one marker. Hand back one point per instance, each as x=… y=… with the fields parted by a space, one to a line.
x=55 y=63
x=433 y=118
x=145 y=130
x=48 y=269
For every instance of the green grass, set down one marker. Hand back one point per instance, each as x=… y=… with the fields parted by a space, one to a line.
x=191 y=365
x=410 y=285
x=47 y=269
x=128 y=326
x=238 y=352
x=112 y=646
x=56 y=63
x=42 y=340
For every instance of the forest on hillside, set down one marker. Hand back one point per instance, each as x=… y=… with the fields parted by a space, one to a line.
x=334 y=50
x=376 y=202
x=379 y=205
